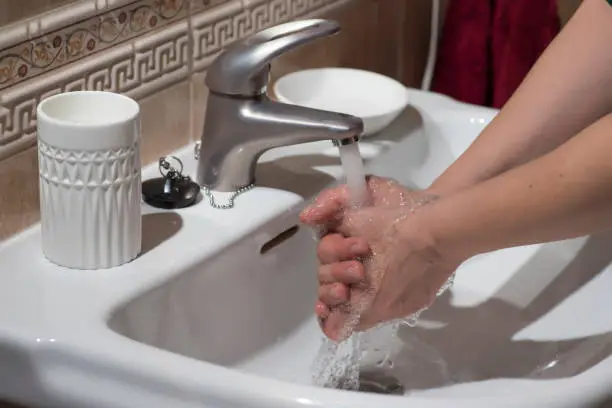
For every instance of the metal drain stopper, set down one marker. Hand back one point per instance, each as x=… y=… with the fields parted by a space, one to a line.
x=376 y=383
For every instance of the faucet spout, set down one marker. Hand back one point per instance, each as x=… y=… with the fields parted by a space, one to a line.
x=244 y=129
x=282 y=124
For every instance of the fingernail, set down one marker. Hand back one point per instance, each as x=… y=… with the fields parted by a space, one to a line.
x=355 y=272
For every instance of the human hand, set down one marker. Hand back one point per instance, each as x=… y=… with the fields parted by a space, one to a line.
x=402 y=270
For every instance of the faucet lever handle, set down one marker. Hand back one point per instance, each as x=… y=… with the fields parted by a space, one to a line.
x=243 y=68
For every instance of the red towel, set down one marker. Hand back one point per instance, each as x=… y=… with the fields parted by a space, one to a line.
x=488 y=46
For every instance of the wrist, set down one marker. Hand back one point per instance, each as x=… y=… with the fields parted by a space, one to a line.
x=451 y=182
x=442 y=238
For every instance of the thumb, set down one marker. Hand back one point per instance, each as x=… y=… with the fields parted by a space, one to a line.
x=361 y=222
x=327 y=209
x=336 y=326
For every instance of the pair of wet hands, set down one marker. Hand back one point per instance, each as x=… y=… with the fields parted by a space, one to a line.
x=378 y=261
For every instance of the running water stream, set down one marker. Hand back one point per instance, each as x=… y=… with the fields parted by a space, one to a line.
x=337 y=364
x=354 y=172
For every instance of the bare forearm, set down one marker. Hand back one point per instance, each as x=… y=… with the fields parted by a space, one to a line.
x=569 y=88
x=563 y=194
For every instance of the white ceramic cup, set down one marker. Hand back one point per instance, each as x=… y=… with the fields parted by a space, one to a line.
x=90 y=186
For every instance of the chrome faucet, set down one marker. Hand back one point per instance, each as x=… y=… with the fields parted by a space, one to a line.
x=241 y=121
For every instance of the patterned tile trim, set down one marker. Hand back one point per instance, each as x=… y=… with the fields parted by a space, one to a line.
x=67 y=15
x=44 y=23
x=148 y=63
x=31 y=58
x=211 y=36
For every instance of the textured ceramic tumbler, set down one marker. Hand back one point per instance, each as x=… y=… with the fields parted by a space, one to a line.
x=90 y=191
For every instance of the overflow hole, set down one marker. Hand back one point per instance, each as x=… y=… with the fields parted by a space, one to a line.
x=279 y=239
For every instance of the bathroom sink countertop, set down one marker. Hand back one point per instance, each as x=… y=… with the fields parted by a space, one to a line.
x=62 y=340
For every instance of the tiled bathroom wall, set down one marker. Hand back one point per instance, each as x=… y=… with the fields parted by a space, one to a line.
x=157 y=51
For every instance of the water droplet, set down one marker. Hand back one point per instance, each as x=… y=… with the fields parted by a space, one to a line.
x=414 y=319
x=447 y=285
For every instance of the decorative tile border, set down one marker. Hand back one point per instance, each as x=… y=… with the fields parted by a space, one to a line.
x=31 y=58
x=209 y=37
x=147 y=63
x=44 y=23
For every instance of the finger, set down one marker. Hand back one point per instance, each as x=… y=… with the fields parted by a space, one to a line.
x=334 y=327
x=361 y=222
x=347 y=272
x=327 y=207
x=336 y=324
x=333 y=294
x=321 y=310
x=337 y=248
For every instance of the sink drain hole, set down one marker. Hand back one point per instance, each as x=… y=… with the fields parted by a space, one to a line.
x=376 y=383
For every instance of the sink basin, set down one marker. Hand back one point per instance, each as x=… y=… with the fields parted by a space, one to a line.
x=218 y=310
x=250 y=306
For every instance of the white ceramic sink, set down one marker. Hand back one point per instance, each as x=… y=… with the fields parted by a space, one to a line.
x=214 y=314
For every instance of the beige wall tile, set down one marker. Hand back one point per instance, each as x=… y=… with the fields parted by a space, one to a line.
x=15 y=10
x=389 y=37
x=199 y=97
x=165 y=121
x=416 y=33
x=352 y=47
x=19 y=205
